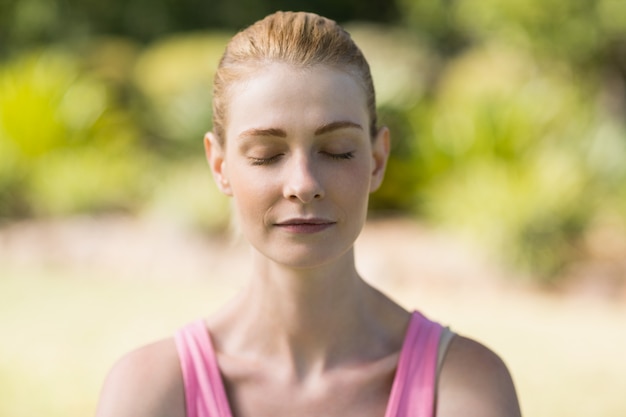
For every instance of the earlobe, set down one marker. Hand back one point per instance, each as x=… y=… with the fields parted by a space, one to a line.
x=215 y=156
x=380 y=153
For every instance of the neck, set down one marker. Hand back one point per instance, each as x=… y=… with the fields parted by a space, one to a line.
x=315 y=317
x=308 y=306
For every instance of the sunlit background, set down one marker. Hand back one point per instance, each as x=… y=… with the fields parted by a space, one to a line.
x=503 y=212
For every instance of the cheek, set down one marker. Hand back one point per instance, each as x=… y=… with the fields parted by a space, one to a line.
x=251 y=192
x=247 y=191
x=361 y=173
x=353 y=184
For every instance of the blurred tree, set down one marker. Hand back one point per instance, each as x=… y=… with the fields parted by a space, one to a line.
x=508 y=117
x=65 y=144
x=28 y=22
x=519 y=133
x=589 y=36
x=173 y=78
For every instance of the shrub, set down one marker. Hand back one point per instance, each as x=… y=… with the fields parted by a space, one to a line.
x=174 y=78
x=504 y=151
x=65 y=146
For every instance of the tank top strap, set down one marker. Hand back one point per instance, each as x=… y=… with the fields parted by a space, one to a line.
x=414 y=387
x=205 y=395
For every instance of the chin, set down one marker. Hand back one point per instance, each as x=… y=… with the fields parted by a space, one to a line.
x=302 y=258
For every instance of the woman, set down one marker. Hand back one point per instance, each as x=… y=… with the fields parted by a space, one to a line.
x=296 y=145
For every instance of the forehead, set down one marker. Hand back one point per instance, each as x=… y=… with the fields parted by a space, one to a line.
x=292 y=98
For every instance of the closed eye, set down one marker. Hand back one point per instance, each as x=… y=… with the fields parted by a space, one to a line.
x=345 y=155
x=265 y=161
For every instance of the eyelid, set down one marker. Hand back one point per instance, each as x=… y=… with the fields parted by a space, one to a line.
x=264 y=161
x=340 y=155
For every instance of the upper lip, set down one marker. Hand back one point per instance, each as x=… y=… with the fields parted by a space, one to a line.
x=304 y=220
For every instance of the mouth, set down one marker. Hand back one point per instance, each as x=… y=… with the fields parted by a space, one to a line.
x=305 y=225
x=309 y=221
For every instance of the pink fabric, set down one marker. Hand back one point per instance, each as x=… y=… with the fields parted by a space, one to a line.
x=414 y=387
x=412 y=393
x=205 y=395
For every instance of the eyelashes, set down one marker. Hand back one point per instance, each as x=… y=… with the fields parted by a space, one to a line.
x=275 y=158
x=264 y=161
x=345 y=155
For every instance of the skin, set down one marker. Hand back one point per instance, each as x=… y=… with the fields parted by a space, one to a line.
x=299 y=162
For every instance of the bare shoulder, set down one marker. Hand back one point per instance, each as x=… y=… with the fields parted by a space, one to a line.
x=474 y=381
x=146 y=382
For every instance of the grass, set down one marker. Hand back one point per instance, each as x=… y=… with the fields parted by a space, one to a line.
x=61 y=333
x=62 y=329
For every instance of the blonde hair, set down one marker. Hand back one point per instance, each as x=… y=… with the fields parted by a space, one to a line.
x=296 y=38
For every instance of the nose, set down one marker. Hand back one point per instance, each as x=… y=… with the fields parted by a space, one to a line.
x=302 y=181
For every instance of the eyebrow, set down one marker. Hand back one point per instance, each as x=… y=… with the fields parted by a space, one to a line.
x=281 y=133
x=342 y=124
x=255 y=132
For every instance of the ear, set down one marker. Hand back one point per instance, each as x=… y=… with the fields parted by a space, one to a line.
x=380 y=154
x=215 y=156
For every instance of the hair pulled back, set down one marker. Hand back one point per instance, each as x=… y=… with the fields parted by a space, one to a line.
x=297 y=38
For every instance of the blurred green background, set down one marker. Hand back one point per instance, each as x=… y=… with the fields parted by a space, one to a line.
x=508 y=118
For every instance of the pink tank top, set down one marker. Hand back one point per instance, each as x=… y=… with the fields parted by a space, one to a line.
x=412 y=393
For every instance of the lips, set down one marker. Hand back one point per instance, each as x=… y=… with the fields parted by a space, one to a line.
x=310 y=221
x=305 y=225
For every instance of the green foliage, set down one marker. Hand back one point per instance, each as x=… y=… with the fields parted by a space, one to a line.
x=577 y=31
x=504 y=156
x=521 y=140
x=27 y=22
x=65 y=146
x=174 y=78
x=113 y=130
x=584 y=32
x=507 y=117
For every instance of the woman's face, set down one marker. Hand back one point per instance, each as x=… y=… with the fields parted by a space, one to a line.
x=299 y=162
